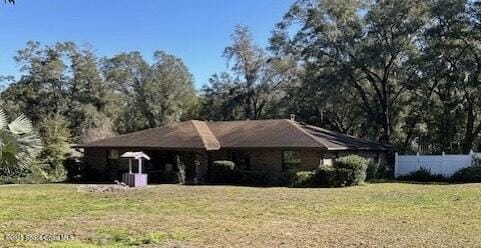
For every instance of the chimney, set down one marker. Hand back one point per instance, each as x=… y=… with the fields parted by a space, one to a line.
x=293 y=117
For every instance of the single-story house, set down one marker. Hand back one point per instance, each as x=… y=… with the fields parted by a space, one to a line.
x=271 y=146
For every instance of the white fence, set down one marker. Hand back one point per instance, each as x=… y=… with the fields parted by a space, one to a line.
x=443 y=164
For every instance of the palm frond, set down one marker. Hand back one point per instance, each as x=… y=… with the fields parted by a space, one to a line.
x=3 y=119
x=21 y=125
x=19 y=145
x=31 y=144
x=18 y=151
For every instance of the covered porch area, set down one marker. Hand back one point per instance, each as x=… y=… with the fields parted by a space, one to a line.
x=107 y=165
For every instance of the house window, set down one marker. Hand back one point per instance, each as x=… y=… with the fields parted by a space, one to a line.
x=291 y=160
x=113 y=154
x=328 y=158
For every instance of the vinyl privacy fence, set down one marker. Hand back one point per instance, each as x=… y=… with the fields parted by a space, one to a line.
x=445 y=164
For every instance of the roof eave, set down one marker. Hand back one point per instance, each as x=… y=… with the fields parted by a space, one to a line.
x=357 y=148
x=141 y=147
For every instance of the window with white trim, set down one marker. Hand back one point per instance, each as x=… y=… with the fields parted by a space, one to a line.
x=291 y=160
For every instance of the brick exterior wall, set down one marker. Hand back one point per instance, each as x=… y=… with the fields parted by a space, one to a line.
x=267 y=160
x=310 y=159
x=271 y=159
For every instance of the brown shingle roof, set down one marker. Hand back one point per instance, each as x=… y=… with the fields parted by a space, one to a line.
x=184 y=135
x=238 y=134
x=339 y=141
x=261 y=133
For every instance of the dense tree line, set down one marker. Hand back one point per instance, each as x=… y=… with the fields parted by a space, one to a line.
x=403 y=72
x=72 y=96
x=99 y=97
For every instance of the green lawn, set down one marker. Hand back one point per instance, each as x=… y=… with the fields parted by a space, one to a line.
x=385 y=214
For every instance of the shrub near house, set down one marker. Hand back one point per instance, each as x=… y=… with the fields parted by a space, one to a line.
x=346 y=171
x=470 y=174
x=222 y=172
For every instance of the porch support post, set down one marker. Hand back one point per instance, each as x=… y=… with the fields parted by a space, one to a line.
x=130 y=166
x=202 y=170
x=140 y=166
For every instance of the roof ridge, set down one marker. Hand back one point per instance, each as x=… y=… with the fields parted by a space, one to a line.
x=248 y=120
x=207 y=137
x=348 y=135
x=295 y=124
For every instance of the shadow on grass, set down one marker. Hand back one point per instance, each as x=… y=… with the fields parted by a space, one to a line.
x=378 y=181
x=189 y=184
x=374 y=181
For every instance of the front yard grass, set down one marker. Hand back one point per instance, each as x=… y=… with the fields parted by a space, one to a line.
x=382 y=215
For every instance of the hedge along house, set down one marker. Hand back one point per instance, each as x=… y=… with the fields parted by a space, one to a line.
x=271 y=146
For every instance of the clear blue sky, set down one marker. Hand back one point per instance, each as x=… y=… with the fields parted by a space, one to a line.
x=195 y=30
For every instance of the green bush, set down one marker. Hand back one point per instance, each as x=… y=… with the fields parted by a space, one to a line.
x=303 y=179
x=470 y=174
x=350 y=170
x=222 y=172
x=34 y=176
x=224 y=164
x=347 y=171
x=372 y=170
x=55 y=135
x=326 y=176
x=283 y=179
x=422 y=175
x=385 y=171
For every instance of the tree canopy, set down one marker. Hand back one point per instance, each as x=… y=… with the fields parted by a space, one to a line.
x=100 y=97
x=402 y=72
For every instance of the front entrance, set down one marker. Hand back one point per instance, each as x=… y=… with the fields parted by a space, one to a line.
x=162 y=168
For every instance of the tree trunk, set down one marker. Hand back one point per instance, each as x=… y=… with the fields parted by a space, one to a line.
x=386 y=126
x=469 y=136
